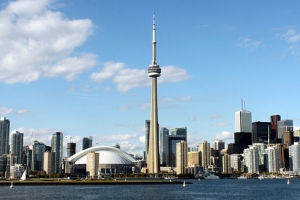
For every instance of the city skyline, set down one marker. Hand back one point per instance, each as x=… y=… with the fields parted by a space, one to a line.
x=79 y=68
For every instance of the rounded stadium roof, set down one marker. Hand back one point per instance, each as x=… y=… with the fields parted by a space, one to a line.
x=107 y=155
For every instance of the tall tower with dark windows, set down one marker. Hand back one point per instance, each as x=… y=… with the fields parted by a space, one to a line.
x=16 y=145
x=57 y=148
x=153 y=72
x=4 y=136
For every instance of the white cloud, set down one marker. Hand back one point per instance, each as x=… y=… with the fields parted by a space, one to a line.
x=215 y=116
x=246 y=42
x=142 y=139
x=193 y=139
x=115 y=138
x=41 y=135
x=225 y=135
x=193 y=118
x=291 y=36
x=22 y=111
x=126 y=78
x=5 y=111
x=186 y=98
x=37 y=42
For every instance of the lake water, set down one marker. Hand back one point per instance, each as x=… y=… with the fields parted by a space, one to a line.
x=204 y=189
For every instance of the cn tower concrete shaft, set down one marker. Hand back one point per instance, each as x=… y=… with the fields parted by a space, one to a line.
x=153 y=72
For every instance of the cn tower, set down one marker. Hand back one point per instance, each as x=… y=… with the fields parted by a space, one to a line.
x=153 y=72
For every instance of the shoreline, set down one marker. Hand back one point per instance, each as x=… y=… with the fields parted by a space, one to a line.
x=89 y=182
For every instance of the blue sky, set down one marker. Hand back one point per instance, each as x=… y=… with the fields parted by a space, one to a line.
x=80 y=67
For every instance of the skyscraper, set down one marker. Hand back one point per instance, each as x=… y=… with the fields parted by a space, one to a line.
x=4 y=136
x=274 y=119
x=204 y=149
x=153 y=72
x=57 y=148
x=179 y=132
x=38 y=149
x=71 y=149
x=261 y=131
x=171 y=151
x=163 y=145
x=243 y=121
x=284 y=125
x=16 y=145
x=87 y=142
x=181 y=157
x=219 y=145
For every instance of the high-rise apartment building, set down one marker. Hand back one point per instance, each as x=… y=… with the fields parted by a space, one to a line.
x=243 y=121
x=181 y=157
x=92 y=163
x=87 y=142
x=49 y=162
x=71 y=149
x=219 y=145
x=16 y=145
x=57 y=148
x=38 y=149
x=4 y=135
x=204 y=149
x=294 y=152
x=171 y=152
x=251 y=160
x=163 y=145
x=272 y=159
x=226 y=165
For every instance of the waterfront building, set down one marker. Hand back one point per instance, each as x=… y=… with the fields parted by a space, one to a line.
x=235 y=162
x=181 y=157
x=204 y=149
x=193 y=158
x=92 y=163
x=226 y=165
x=261 y=154
x=243 y=121
x=294 y=152
x=4 y=135
x=261 y=131
x=49 y=163
x=87 y=142
x=38 y=149
x=251 y=160
x=153 y=72
x=111 y=161
x=274 y=119
x=16 y=171
x=163 y=145
x=29 y=159
x=284 y=125
x=71 y=149
x=57 y=148
x=219 y=145
x=272 y=159
x=16 y=145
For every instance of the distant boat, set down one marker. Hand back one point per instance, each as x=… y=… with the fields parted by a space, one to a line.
x=212 y=176
x=170 y=177
x=242 y=177
x=288 y=182
x=183 y=184
x=198 y=179
x=11 y=185
x=23 y=177
x=261 y=177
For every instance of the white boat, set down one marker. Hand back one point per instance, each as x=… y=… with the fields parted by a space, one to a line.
x=11 y=185
x=288 y=182
x=212 y=176
x=242 y=177
x=170 y=177
x=183 y=184
x=23 y=177
x=261 y=177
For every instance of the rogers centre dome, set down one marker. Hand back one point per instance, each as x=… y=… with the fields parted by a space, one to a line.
x=111 y=160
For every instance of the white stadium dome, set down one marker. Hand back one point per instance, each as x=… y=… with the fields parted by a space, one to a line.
x=107 y=155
